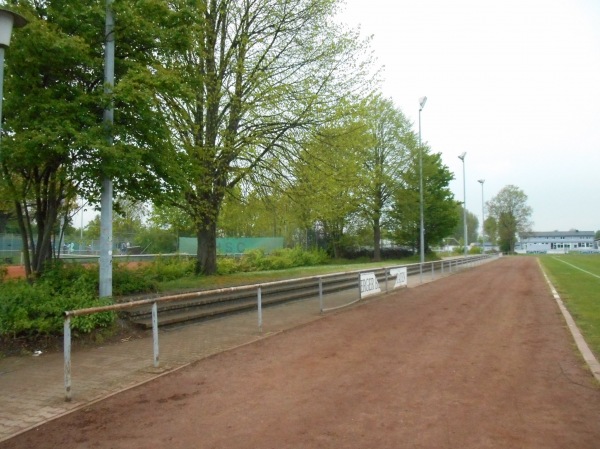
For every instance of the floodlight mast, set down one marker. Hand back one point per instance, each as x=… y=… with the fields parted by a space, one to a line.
x=422 y=102
x=462 y=158
x=481 y=181
x=106 y=193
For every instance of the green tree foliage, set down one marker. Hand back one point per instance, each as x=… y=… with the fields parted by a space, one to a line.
x=512 y=215
x=491 y=230
x=385 y=159
x=172 y=219
x=47 y=81
x=154 y=240
x=258 y=212
x=325 y=189
x=439 y=212
x=6 y=211
x=255 y=76
x=54 y=145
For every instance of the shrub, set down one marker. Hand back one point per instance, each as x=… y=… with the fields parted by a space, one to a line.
x=252 y=260
x=303 y=258
x=257 y=260
x=37 y=310
x=168 y=268
x=129 y=281
x=227 y=265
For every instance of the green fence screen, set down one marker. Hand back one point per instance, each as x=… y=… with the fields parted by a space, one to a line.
x=233 y=246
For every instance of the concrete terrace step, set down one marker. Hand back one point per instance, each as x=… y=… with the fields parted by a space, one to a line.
x=213 y=305
x=209 y=304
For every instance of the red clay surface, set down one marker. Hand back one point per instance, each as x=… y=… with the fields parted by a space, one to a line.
x=481 y=359
x=15 y=271
x=18 y=271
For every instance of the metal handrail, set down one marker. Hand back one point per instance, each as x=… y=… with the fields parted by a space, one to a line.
x=257 y=287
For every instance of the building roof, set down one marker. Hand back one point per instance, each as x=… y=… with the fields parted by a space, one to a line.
x=573 y=233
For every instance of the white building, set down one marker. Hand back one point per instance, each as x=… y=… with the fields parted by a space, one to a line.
x=557 y=242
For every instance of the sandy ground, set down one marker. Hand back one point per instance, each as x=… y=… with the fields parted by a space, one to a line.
x=480 y=359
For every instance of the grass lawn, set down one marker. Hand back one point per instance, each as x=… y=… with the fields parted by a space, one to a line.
x=577 y=280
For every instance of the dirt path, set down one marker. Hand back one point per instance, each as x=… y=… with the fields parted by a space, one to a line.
x=481 y=359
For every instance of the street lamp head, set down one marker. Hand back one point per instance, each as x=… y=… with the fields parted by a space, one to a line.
x=481 y=181
x=422 y=102
x=8 y=21
x=462 y=156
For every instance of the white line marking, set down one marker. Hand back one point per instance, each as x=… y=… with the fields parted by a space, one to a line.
x=577 y=268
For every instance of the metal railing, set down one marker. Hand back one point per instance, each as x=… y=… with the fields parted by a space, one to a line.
x=383 y=272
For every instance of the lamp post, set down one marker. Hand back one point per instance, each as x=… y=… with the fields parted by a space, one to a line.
x=422 y=102
x=481 y=181
x=462 y=158
x=106 y=195
x=8 y=21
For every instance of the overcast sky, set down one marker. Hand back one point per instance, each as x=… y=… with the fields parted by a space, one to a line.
x=514 y=83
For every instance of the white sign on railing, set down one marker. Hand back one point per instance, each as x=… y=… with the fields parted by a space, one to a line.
x=401 y=277
x=368 y=284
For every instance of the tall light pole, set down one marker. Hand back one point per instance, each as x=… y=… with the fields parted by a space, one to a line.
x=481 y=181
x=8 y=21
x=422 y=102
x=462 y=158
x=106 y=195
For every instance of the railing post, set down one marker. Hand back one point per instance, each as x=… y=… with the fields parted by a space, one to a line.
x=259 y=301
x=385 y=270
x=321 y=294
x=67 y=351
x=433 y=271
x=359 y=288
x=155 y=332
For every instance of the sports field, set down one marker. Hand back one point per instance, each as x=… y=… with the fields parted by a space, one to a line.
x=480 y=359
x=577 y=279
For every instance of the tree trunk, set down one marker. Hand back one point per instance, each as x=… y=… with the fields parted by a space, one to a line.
x=376 y=241
x=206 y=262
x=24 y=240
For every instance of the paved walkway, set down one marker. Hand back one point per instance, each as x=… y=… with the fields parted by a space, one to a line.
x=33 y=387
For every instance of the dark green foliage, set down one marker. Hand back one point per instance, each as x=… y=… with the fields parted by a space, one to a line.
x=37 y=310
x=227 y=265
x=156 y=241
x=257 y=260
x=131 y=280
x=34 y=310
x=167 y=269
x=54 y=145
x=440 y=212
x=367 y=254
